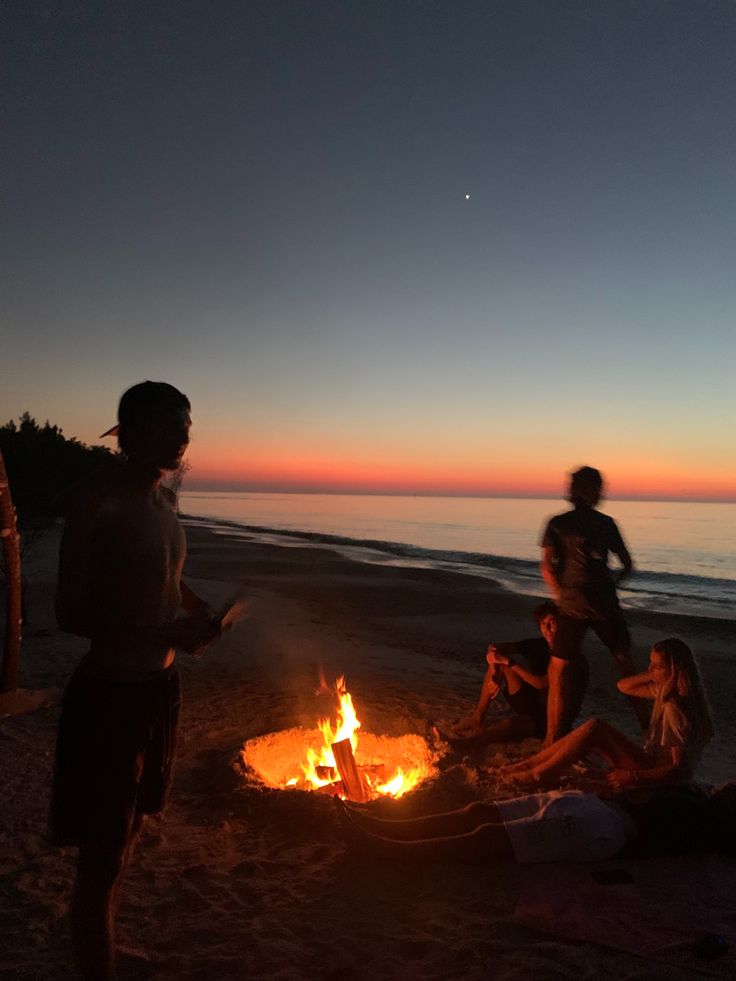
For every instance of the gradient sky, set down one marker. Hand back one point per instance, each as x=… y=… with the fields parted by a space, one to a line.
x=264 y=204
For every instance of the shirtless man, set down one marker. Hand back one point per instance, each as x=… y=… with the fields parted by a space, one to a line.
x=119 y=585
x=575 y=548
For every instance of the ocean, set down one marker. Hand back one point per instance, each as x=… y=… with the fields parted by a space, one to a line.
x=684 y=552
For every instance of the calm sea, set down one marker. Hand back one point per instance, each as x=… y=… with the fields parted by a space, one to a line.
x=684 y=552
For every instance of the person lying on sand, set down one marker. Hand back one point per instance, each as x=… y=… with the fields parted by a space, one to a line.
x=120 y=585
x=524 y=688
x=558 y=826
x=679 y=729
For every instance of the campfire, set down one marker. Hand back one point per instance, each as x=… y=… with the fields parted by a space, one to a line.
x=335 y=759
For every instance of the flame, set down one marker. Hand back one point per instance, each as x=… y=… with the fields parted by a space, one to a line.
x=346 y=726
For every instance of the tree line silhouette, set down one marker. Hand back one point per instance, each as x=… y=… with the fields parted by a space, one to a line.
x=43 y=465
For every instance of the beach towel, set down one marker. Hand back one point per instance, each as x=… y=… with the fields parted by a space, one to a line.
x=679 y=909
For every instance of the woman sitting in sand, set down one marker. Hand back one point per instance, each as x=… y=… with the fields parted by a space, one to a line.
x=679 y=729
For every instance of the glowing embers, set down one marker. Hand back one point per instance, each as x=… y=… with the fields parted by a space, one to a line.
x=366 y=767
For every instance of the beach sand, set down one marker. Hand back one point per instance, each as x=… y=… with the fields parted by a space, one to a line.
x=237 y=881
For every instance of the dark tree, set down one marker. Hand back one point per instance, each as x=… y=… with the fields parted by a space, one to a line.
x=43 y=465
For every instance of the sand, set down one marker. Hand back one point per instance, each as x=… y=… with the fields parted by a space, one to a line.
x=237 y=881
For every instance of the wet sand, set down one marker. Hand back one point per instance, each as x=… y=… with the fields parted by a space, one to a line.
x=237 y=881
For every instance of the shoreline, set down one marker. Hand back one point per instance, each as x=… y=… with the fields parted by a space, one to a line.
x=517 y=575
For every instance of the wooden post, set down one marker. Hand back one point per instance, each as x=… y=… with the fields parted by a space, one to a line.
x=11 y=554
x=352 y=780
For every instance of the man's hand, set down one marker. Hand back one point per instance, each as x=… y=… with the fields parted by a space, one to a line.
x=494 y=656
x=195 y=634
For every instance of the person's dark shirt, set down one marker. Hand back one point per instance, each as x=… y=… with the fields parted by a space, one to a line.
x=529 y=700
x=535 y=652
x=580 y=541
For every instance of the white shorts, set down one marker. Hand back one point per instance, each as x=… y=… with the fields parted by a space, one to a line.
x=564 y=826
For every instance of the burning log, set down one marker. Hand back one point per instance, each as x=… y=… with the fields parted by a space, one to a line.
x=326 y=772
x=352 y=780
x=331 y=789
x=375 y=771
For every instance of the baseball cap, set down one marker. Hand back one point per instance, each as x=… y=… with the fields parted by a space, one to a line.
x=144 y=400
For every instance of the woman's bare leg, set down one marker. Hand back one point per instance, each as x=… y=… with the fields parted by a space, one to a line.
x=449 y=824
x=618 y=749
x=569 y=744
x=593 y=736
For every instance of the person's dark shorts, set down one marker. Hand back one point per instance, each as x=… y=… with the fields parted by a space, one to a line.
x=531 y=702
x=611 y=630
x=114 y=755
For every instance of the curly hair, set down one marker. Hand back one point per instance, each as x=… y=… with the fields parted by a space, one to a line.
x=586 y=487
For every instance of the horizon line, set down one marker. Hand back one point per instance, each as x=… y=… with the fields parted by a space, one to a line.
x=500 y=495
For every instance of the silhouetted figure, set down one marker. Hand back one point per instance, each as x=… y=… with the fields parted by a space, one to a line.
x=119 y=584
x=575 y=548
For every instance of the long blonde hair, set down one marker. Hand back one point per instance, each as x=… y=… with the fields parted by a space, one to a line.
x=685 y=684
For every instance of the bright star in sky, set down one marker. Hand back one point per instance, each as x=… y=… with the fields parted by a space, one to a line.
x=467 y=197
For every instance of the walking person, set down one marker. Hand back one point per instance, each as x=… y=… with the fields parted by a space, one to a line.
x=575 y=549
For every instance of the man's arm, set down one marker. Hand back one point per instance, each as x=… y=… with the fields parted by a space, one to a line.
x=193 y=604
x=621 y=552
x=548 y=568
x=639 y=685
x=503 y=654
x=538 y=681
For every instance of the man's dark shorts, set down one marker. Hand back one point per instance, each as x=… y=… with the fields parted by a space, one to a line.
x=114 y=755
x=612 y=631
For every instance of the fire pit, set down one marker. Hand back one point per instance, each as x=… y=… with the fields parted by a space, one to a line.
x=332 y=759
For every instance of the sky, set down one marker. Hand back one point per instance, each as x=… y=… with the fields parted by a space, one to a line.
x=266 y=204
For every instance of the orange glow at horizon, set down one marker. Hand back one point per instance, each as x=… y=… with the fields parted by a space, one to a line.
x=544 y=477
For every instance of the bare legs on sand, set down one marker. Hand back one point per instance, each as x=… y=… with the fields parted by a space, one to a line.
x=594 y=735
x=470 y=725
x=469 y=734
x=94 y=904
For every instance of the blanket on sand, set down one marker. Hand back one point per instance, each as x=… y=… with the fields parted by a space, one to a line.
x=670 y=909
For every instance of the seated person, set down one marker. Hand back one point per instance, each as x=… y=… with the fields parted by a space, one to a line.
x=679 y=729
x=558 y=826
x=525 y=689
